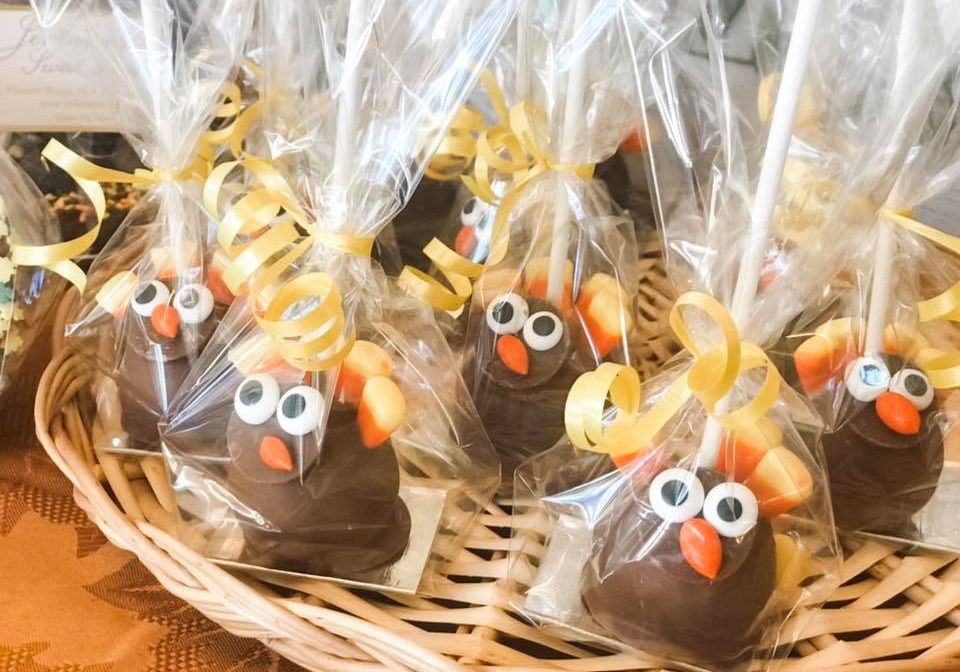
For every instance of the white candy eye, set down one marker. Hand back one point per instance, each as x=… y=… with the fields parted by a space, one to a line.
x=507 y=314
x=256 y=399
x=542 y=330
x=914 y=385
x=731 y=509
x=676 y=495
x=472 y=211
x=148 y=296
x=194 y=302
x=866 y=378
x=300 y=410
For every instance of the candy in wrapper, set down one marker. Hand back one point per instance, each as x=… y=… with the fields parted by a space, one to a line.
x=651 y=543
x=878 y=355
x=154 y=293
x=325 y=431
x=555 y=297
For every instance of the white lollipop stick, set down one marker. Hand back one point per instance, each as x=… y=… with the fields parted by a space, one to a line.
x=768 y=188
x=572 y=117
x=350 y=97
x=886 y=250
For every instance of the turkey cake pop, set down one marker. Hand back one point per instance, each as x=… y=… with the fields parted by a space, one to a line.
x=689 y=559
x=164 y=326
x=885 y=460
x=472 y=240
x=325 y=490
x=530 y=352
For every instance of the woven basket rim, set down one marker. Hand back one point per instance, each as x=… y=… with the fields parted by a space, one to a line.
x=334 y=628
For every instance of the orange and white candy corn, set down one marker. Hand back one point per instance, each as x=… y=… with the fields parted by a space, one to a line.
x=381 y=411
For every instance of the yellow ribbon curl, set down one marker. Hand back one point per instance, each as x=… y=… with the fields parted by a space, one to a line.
x=602 y=411
x=514 y=150
x=458 y=148
x=943 y=368
x=58 y=256
x=314 y=339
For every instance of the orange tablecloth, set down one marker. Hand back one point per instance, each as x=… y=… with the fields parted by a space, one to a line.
x=72 y=602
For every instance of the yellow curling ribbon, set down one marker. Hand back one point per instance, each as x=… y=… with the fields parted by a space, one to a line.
x=458 y=148
x=602 y=411
x=458 y=271
x=514 y=150
x=58 y=256
x=88 y=176
x=941 y=367
x=314 y=339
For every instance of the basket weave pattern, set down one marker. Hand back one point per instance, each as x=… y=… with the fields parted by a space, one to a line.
x=888 y=611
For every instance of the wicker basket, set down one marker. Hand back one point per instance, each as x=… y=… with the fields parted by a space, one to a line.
x=888 y=611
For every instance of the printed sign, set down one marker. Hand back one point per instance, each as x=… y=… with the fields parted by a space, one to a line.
x=56 y=86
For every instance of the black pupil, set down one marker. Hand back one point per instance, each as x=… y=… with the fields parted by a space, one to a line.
x=294 y=406
x=189 y=298
x=468 y=207
x=544 y=325
x=503 y=313
x=915 y=384
x=675 y=493
x=729 y=509
x=251 y=392
x=147 y=294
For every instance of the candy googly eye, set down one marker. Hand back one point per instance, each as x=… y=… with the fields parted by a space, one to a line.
x=915 y=386
x=676 y=495
x=300 y=410
x=507 y=314
x=256 y=399
x=149 y=295
x=194 y=302
x=472 y=212
x=731 y=509
x=866 y=378
x=542 y=330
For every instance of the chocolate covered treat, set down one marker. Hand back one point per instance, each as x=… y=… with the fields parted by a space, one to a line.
x=529 y=353
x=322 y=500
x=885 y=460
x=686 y=569
x=163 y=329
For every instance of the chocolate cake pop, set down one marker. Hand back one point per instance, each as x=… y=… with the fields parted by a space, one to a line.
x=322 y=493
x=885 y=460
x=163 y=330
x=688 y=561
x=529 y=354
x=472 y=240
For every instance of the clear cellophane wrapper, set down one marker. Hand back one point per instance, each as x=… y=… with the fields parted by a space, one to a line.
x=27 y=293
x=850 y=138
x=367 y=472
x=153 y=298
x=692 y=560
x=555 y=297
x=878 y=363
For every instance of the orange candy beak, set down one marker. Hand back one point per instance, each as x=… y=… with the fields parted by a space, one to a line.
x=274 y=454
x=513 y=354
x=465 y=242
x=165 y=321
x=700 y=545
x=897 y=413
